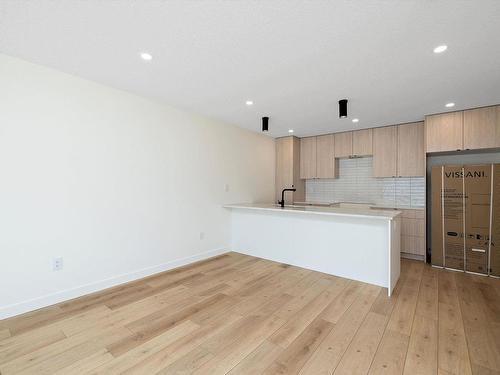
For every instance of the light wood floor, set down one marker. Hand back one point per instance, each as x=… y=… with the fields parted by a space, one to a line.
x=235 y=314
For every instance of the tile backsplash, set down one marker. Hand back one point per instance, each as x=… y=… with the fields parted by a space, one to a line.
x=356 y=184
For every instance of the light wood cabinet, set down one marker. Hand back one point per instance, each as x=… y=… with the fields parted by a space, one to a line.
x=413 y=234
x=385 y=149
x=482 y=128
x=343 y=144
x=326 y=164
x=287 y=169
x=362 y=142
x=308 y=157
x=444 y=132
x=411 y=154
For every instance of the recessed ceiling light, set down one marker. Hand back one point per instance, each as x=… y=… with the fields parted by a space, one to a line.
x=440 y=49
x=449 y=105
x=290 y=130
x=146 y=56
x=355 y=120
x=249 y=102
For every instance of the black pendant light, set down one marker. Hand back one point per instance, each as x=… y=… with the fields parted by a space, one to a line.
x=343 y=108
x=265 y=124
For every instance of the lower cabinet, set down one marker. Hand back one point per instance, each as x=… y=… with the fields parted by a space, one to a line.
x=413 y=234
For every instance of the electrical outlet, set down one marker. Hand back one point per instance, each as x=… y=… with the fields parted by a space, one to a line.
x=57 y=264
x=226 y=188
x=202 y=235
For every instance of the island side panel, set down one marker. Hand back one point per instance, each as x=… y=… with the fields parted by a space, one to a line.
x=395 y=251
x=351 y=247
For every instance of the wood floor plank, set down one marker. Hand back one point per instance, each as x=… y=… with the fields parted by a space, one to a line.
x=453 y=355
x=24 y=344
x=391 y=354
x=4 y=334
x=182 y=350
x=402 y=315
x=359 y=355
x=148 y=348
x=427 y=301
x=291 y=360
x=339 y=305
x=236 y=314
x=63 y=353
x=298 y=322
x=328 y=354
x=155 y=324
x=228 y=356
x=258 y=360
x=480 y=339
x=421 y=358
x=87 y=364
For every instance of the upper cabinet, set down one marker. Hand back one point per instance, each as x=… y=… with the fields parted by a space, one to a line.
x=362 y=142
x=398 y=151
x=385 y=149
x=482 y=128
x=317 y=157
x=326 y=165
x=287 y=168
x=411 y=153
x=463 y=130
x=444 y=132
x=354 y=143
x=308 y=157
x=343 y=144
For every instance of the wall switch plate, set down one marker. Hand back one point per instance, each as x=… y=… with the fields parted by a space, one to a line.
x=57 y=264
x=202 y=235
x=226 y=188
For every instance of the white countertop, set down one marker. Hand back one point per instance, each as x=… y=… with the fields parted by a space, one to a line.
x=326 y=204
x=364 y=212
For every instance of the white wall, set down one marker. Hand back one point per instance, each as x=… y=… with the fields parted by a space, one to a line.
x=118 y=185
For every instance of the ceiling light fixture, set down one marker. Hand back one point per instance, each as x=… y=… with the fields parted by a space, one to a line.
x=355 y=120
x=440 y=49
x=146 y=56
x=450 y=105
x=290 y=130
x=265 y=124
x=343 y=108
x=249 y=102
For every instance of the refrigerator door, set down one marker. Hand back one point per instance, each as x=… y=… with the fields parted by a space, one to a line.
x=437 y=250
x=477 y=187
x=453 y=215
x=494 y=260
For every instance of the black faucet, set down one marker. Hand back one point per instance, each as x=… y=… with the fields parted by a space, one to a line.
x=282 y=201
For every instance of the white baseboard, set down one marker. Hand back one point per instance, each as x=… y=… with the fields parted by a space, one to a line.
x=65 y=295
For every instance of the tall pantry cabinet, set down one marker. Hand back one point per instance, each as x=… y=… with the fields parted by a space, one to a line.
x=288 y=169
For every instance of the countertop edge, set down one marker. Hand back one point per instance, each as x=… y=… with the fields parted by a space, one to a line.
x=394 y=214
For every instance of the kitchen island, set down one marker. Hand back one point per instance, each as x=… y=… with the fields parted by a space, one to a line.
x=359 y=243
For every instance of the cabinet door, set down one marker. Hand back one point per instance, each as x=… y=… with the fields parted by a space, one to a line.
x=343 y=144
x=287 y=169
x=482 y=128
x=444 y=132
x=325 y=157
x=362 y=142
x=411 y=154
x=308 y=157
x=385 y=151
x=284 y=164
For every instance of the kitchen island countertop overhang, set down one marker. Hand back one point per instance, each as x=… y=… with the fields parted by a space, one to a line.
x=362 y=243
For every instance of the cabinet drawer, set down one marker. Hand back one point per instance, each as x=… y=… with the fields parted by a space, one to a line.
x=413 y=245
x=419 y=214
x=408 y=214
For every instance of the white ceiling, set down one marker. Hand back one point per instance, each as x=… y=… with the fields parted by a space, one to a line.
x=294 y=59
